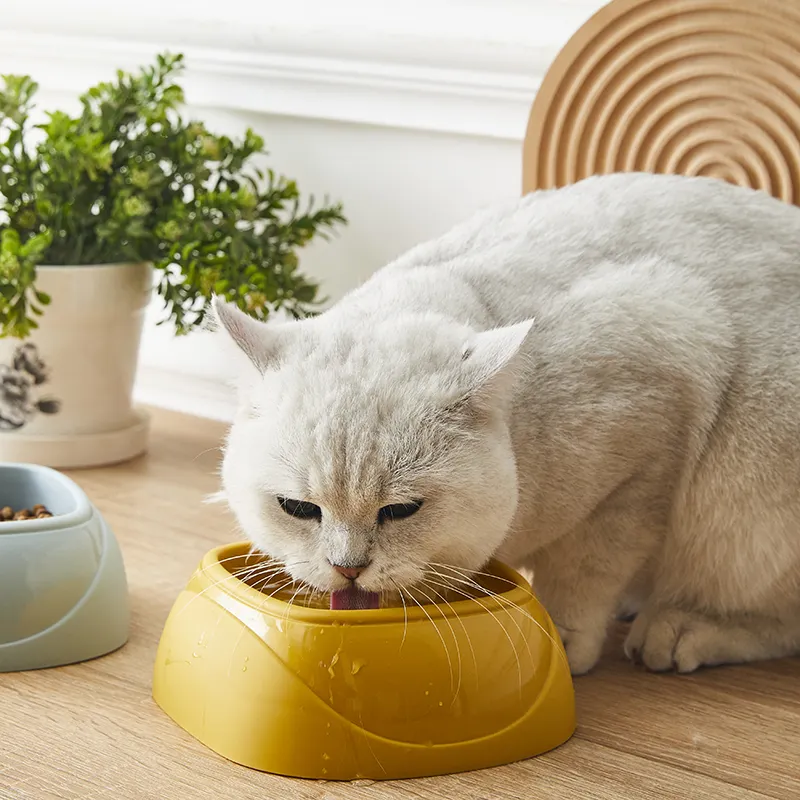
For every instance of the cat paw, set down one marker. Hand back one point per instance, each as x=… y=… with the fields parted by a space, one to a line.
x=668 y=639
x=583 y=649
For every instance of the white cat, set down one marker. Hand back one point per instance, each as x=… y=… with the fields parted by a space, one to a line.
x=599 y=384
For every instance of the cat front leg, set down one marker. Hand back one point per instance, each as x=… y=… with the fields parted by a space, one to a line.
x=673 y=639
x=582 y=579
x=581 y=603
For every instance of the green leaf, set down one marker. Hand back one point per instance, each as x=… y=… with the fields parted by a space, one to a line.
x=127 y=178
x=305 y=294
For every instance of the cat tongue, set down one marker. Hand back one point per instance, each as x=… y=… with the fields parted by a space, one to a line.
x=353 y=598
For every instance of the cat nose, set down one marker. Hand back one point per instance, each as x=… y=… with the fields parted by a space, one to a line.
x=351 y=573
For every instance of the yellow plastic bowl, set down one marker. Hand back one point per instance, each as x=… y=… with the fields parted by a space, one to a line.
x=383 y=693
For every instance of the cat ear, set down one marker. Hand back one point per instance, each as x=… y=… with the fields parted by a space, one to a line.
x=260 y=342
x=487 y=355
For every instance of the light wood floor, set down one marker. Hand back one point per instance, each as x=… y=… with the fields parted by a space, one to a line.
x=92 y=731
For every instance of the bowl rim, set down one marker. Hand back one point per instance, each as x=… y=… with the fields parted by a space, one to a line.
x=216 y=578
x=27 y=527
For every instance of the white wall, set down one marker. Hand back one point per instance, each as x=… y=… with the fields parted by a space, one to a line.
x=411 y=113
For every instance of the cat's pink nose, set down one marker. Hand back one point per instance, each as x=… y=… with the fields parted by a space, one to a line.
x=351 y=573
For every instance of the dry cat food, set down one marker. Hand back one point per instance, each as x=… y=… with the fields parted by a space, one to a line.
x=8 y=514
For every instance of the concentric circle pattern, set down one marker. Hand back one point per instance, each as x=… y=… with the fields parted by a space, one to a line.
x=694 y=87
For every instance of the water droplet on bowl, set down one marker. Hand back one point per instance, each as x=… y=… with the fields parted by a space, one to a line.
x=357 y=667
x=326 y=757
x=333 y=663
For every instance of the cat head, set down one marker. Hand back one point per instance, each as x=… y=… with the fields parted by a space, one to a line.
x=377 y=446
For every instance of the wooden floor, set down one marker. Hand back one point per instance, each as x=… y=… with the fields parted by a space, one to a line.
x=92 y=731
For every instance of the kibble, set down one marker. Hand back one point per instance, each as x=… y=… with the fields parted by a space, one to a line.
x=8 y=514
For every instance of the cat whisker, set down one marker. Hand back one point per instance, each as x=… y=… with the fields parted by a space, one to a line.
x=253 y=552
x=245 y=627
x=500 y=624
x=291 y=600
x=489 y=593
x=248 y=574
x=236 y=570
x=475 y=572
x=363 y=729
x=405 y=614
x=229 y=576
x=272 y=564
x=455 y=639
x=441 y=638
x=461 y=621
x=261 y=579
x=216 y=449
x=465 y=580
x=210 y=587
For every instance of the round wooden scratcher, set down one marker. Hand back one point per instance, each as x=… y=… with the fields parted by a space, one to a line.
x=693 y=87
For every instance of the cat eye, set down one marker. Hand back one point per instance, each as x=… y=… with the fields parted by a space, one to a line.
x=300 y=509
x=398 y=511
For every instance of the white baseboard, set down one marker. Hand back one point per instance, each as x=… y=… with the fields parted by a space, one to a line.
x=200 y=396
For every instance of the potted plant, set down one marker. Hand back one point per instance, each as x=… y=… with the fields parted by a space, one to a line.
x=98 y=208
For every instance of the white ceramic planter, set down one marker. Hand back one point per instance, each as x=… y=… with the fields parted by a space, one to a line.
x=66 y=391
